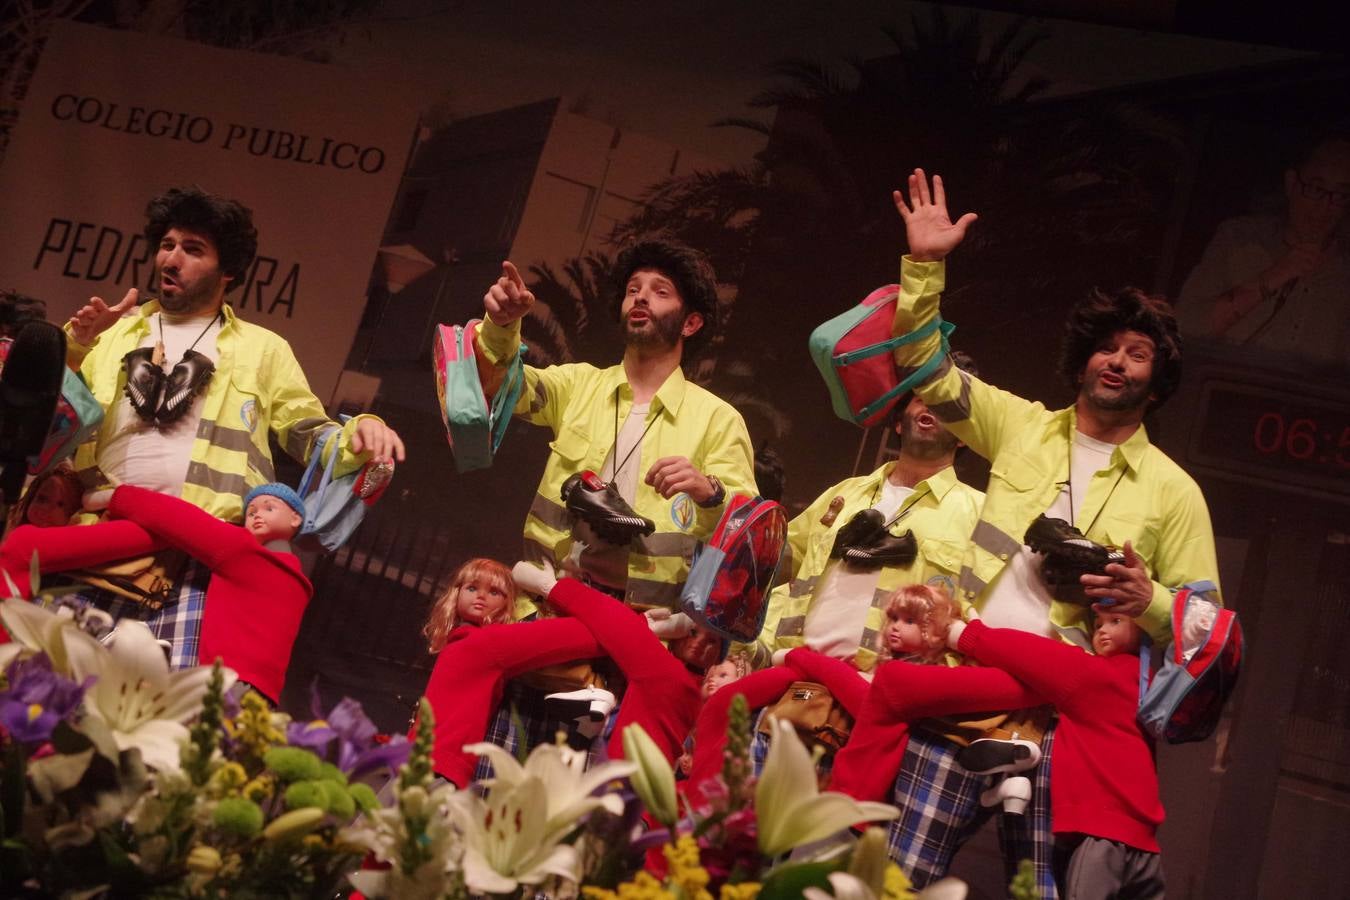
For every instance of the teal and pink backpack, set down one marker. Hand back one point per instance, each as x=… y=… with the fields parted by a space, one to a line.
x=853 y=353
x=1184 y=700
x=473 y=427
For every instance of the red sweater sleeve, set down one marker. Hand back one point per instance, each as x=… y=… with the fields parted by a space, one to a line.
x=71 y=547
x=179 y=524
x=1057 y=671
x=623 y=633
x=844 y=681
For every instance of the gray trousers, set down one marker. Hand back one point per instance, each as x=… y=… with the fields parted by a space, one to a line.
x=1089 y=868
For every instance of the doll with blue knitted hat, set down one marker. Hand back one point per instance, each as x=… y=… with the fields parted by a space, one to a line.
x=257 y=594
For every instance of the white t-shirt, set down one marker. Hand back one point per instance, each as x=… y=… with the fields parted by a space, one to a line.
x=1019 y=598
x=602 y=561
x=147 y=454
x=838 y=613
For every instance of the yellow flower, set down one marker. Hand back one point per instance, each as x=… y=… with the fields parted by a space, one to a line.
x=260 y=789
x=255 y=727
x=686 y=869
x=642 y=887
x=897 y=886
x=228 y=779
x=747 y=890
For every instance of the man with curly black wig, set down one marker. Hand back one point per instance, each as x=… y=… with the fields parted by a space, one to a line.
x=1092 y=467
x=672 y=450
x=191 y=392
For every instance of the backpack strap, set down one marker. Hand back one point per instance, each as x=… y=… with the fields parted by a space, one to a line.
x=919 y=375
x=1145 y=663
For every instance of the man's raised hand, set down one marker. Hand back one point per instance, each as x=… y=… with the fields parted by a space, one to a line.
x=96 y=317
x=929 y=230
x=508 y=299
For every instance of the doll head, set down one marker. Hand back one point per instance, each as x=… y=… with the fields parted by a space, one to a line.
x=1115 y=634
x=917 y=619
x=273 y=512
x=52 y=498
x=482 y=592
x=719 y=675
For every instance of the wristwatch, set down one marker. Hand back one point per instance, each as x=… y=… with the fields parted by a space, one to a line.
x=718 y=495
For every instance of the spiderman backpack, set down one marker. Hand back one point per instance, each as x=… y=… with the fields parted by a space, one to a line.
x=1185 y=698
x=853 y=353
x=473 y=426
x=728 y=587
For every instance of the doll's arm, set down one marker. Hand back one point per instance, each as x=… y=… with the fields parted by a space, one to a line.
x=845 y=683
x=179 y=524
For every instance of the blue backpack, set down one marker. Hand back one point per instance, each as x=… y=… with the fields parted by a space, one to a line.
x=729 y=583
x=334 y=507
x=473 y=427
x=1185 y=699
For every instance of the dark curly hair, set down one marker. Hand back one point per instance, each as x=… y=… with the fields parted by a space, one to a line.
x=228 y=223
x=1101 y=315
x=17 y=310
x=688 y=268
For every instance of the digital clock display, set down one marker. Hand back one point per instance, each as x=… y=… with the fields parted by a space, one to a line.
x=1283 y=438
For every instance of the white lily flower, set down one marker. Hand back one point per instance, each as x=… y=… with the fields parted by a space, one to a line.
x=385 y=833
x=40 y=630
x=850 y=887
x=568 y=784
x=791 y=808
x=653 y=779
x=843 y=886
x=506 y=841
x=135 y=696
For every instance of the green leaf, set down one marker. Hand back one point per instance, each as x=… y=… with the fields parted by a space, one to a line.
x=791 y=881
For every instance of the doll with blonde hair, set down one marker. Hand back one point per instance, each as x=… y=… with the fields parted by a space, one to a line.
x=917 y=619
x=481 y=592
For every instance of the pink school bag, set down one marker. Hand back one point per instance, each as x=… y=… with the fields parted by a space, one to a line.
x=853 y=353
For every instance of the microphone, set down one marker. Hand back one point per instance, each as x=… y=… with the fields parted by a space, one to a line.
x=30 y=387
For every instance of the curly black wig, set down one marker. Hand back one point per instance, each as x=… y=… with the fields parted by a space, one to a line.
x=1101 y=315
x=686 y=267
x=228 y=223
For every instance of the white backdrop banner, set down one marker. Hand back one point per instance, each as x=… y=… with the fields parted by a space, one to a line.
x=114 y=118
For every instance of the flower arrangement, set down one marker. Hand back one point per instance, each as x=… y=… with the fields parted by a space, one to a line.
x=122 y=778
x=549 y=827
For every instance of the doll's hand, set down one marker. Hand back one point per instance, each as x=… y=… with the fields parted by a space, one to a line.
x=667 y=625
x=779 y=657
x=535 y=579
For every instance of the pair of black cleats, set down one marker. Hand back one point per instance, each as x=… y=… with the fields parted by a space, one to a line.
x=599 y=505
x=865 y=542
x=1068 y=555
x=163 y=399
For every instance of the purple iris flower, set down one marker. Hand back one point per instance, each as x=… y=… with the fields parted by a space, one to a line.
x=37 y=699
x=359 y=748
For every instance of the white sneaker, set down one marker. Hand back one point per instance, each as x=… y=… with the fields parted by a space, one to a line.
x=601 y=701
x=1013 y=791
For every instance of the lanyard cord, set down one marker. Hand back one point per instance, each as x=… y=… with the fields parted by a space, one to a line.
x=614 y=474
x=906 y=507
x=160 y=348
x=1073 y=513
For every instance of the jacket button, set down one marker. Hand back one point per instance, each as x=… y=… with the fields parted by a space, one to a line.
x=1003 y=556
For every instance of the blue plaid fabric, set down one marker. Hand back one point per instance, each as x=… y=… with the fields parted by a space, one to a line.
x=178 y=621
x=940 y=810
x=536 y=727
